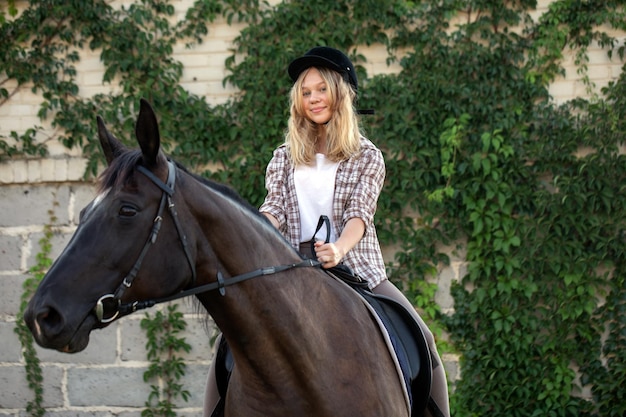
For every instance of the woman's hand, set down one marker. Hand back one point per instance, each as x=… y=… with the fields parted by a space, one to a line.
x=330 y=254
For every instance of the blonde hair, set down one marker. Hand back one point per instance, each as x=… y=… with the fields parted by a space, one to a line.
x=342 y=130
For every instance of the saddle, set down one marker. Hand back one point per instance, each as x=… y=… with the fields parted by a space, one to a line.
x=407 y=340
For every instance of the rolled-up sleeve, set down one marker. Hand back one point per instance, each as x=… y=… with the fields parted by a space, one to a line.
x=275 y=179
x=356 y=196
x=367 y=181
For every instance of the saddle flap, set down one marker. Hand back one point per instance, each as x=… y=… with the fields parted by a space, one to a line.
x=409 y=344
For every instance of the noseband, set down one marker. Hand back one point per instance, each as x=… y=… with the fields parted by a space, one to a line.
x=109 y=306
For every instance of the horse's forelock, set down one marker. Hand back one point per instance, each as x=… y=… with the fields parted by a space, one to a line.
x=119 y=171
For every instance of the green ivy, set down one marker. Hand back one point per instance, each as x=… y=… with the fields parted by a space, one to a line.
x=34 y=375
x=479 y=158
x=166 y=366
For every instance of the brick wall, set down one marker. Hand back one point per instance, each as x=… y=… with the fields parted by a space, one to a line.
x=106 y=378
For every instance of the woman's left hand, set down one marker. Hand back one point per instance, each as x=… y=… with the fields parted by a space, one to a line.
x=328 y=254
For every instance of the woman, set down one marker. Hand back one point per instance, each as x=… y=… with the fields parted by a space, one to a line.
x=326 y=167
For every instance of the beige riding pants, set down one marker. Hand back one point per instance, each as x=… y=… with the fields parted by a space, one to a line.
x=439 y=389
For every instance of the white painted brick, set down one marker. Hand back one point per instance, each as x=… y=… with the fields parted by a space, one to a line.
x=89 y=63
x=562 y=89
x=21 y=110
x=4 y=111
x=12 y=282
x=224 y=32
x=26 y=96
x=193 y=60
x=6 y=172
x=543 y=4
x=34 y=170
x=215 y=74
x=85 y=386
x=56 y=149
x=92 y=90
x=598 y=56
x=76 y=168
x=201 y=74
x=218 y=45
x=599 y=72
x=47 y=170
x=91 y=78
x=374 y=53
x=60 y=169
x=28 y=122
x=76 y=152
x=8 y=124
x=216 y=89
x=10 y=84
x=117 y=4
x=20 y=171
x=197 y=88
x=581 y=90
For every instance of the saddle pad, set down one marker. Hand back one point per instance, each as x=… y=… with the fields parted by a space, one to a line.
x=406 y=344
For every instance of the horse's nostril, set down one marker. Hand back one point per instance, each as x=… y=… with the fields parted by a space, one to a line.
x=49 y=321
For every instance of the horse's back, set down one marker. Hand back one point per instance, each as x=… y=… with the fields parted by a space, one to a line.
x=341 y=366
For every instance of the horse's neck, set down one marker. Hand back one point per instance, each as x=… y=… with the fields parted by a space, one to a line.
x=230 y=238
x=242 y=240
x=234 y=240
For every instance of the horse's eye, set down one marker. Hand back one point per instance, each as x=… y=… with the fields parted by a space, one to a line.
x=127 y=211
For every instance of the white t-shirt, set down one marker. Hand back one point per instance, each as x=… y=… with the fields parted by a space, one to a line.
x=315 y=188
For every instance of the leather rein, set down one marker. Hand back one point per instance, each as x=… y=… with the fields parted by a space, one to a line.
x=109 y=306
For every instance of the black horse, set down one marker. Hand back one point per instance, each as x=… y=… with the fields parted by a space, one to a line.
x=302 y=342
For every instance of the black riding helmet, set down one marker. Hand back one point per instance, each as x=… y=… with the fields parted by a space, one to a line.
x=325 y=57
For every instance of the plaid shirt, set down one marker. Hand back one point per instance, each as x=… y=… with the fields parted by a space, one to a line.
x=358 y=183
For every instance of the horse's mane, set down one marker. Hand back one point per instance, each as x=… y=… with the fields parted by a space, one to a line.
x=120 y=171
x=223 y=189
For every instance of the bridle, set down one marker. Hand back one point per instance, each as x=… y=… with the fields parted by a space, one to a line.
x=111 y=303
x=109 y=306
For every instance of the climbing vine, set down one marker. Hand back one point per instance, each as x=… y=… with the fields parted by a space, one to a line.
x=480 y=160
x=34 y=375
x=163 y=330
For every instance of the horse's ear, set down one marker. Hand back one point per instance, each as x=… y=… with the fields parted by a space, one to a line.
x=147 y=132
x=111 y=146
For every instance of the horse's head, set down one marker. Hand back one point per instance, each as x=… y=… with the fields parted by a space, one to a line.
x=114 y=257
